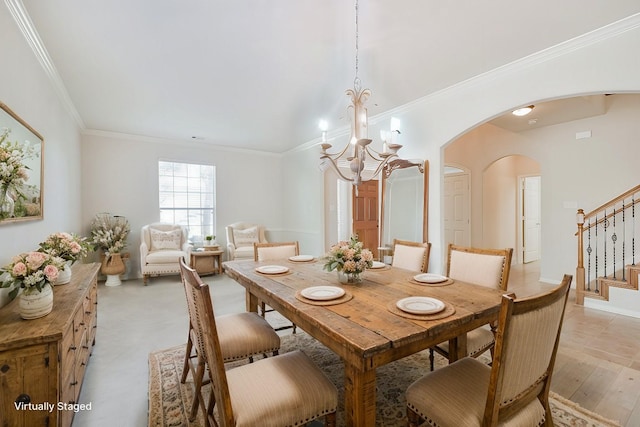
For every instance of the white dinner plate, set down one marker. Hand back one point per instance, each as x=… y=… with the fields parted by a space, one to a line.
x=301 y=258
x=378 y=264
x=420 y=305
x=272 y=269
x=430 y=278
x=322 y=293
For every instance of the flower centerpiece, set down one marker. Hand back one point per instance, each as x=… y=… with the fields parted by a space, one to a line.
x=350 y=259
x=68 y=247
x=13 y=173
x=109 y=233
x=34 y=273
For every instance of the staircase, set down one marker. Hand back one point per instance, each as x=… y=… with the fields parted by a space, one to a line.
x=607 y=255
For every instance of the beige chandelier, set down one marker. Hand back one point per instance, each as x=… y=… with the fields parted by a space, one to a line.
x=358 y=162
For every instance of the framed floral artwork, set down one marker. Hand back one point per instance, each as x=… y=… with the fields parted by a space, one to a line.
x=21 y=169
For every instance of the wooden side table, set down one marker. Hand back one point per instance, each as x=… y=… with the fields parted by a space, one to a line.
x=207 y=262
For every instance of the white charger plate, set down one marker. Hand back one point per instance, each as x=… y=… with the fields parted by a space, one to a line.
x=420 y=305
x=378 y=264
x=429 y=278
x=272 y=269
x=322 y=293
x=301 y=258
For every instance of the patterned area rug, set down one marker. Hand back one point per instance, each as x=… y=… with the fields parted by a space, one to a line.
x=169 y=400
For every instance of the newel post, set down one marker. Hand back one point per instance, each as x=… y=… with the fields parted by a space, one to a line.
x=580 y=284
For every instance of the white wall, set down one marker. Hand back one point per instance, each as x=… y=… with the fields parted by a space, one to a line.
x=26 y=89
x=120 y=176
x=302 y=222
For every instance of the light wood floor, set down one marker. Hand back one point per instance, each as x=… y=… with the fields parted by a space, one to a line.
x=598 y=362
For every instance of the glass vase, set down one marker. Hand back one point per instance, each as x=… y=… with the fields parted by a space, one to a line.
x=349 y=278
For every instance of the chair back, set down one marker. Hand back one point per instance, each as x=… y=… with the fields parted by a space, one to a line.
x=410 y=255
x=486 y=267
x=194 y=316
x=276 y=250
x=245 y=234
x=526 y=346
x=199 y=300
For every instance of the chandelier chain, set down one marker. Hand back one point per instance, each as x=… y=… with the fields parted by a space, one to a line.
x=356 y=81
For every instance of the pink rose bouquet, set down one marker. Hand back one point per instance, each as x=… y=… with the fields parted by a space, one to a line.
x=67 y=246
x=31 y=271
x=348 y=257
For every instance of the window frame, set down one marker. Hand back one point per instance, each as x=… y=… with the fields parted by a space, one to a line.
x=187 y=196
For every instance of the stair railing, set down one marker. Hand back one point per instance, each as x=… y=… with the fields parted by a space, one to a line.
x=607 y=240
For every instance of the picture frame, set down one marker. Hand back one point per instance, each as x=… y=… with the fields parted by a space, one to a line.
x=21 y=169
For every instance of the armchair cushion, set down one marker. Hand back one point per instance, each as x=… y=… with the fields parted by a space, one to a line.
x=161 y=240
x=166 y=256
x=247 y=237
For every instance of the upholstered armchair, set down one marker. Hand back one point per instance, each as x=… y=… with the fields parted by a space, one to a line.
x=240 y=239
x=161 y=247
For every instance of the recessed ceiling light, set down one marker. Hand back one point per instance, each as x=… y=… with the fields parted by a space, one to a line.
x=522 y=111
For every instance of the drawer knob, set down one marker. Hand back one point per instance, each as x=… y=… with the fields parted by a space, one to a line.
x=23 y=398
x=4 y=368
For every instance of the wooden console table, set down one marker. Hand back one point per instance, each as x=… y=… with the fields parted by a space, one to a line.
x=43 y=361
x=207 y=262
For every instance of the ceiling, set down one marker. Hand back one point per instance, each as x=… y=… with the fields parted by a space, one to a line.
x=554 y=112
x=259 y=74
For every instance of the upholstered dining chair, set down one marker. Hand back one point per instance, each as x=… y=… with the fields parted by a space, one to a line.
x=240 y=239
x=161 y=247
x=270 y=251
x=410 y=255
x=515 y=389
x=241 y=336
x=485 y=267
x=284 y=390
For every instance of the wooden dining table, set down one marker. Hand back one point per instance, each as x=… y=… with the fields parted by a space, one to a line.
x=365 y=327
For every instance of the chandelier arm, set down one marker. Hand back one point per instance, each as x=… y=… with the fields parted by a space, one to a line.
x=380 y=157
x=336 y=168
x=336 y=156
x=381 y=166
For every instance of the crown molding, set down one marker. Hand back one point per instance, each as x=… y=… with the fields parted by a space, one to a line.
x=174 y=141
x=21 y=17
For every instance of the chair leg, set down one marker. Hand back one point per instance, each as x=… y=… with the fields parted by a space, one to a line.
x=431 y=359
x=210 y=419
x=413 y=419
x=198 y=399
x=330 y=420
x=187 y=356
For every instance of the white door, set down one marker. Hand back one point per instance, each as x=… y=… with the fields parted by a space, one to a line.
x=456 y=210
x=531 y=214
